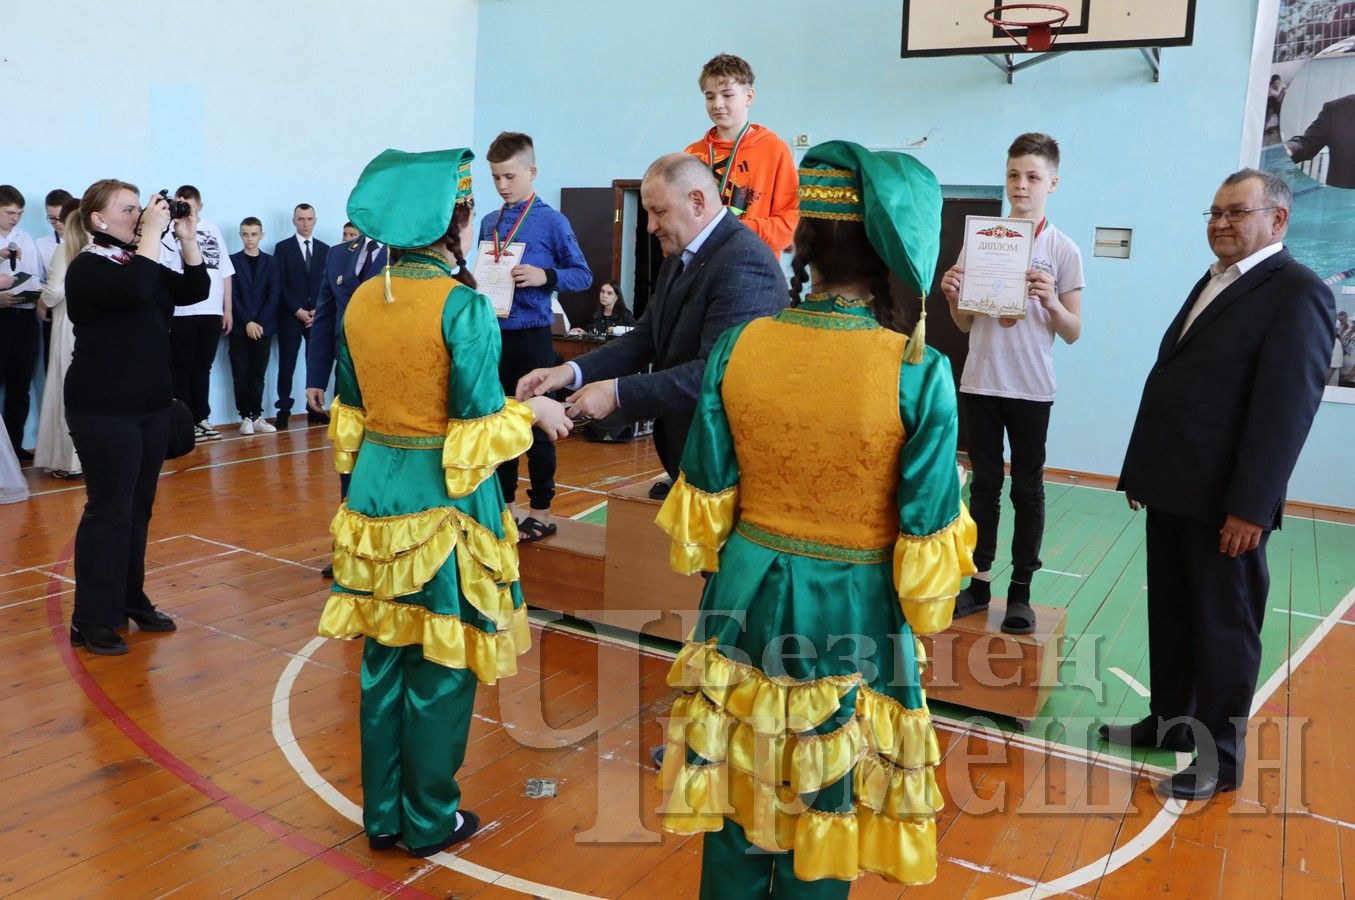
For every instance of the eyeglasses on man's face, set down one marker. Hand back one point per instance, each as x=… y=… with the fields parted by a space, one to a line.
x=1236 y=214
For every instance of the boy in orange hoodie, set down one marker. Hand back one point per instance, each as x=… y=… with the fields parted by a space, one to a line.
x=753 y=166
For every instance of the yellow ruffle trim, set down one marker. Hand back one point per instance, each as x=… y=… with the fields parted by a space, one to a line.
x=900 y=848
x=474 y=448
x=446 y=640
x=752 y=733
x=397 y=555
x=699 y=524
x=927 y=572
x=347 y=424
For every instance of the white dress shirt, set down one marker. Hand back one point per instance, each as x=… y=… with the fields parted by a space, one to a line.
x=1222 y=279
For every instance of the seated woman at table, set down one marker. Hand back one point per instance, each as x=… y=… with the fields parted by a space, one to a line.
x=611 y=311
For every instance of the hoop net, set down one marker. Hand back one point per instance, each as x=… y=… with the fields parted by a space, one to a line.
x=1041 y=21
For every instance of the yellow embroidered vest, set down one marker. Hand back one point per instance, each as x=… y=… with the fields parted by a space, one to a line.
x=815 y=420
x=401 y=358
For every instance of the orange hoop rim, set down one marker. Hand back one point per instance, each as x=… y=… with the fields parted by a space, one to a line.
x=1058 y=16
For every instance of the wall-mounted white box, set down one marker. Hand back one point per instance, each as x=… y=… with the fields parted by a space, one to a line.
x=1114 y=243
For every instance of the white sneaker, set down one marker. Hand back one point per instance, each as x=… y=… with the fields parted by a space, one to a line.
x=208 y=432
x=199 y=434
x=246 y=426
x=263 y=426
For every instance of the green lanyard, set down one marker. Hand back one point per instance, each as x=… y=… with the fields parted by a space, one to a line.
x=733 y=153
x=500 y=247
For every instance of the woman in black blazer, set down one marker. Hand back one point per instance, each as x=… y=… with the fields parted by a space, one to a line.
x=118 y=393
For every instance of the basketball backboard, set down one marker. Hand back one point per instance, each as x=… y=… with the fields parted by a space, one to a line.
x=957 y=27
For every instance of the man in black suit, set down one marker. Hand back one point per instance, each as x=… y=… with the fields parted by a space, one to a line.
x=717 y=274
x=1225 y=411
x=301 y=264
x=1334 y=128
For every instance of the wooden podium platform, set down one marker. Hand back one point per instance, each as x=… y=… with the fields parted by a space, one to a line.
x=618 y=574
x=973 y=664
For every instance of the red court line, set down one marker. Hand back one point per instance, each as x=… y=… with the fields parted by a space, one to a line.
x=186 y=773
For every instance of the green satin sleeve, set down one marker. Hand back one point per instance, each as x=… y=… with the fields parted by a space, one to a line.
x=347 y=415
x=936 y=536
x=700 y=510
x=484 y=428
x=471 y=332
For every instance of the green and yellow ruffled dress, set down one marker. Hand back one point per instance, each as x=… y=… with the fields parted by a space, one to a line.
x=819 y=485
x=425 y=554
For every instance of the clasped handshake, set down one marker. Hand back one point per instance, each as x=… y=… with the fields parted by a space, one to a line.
x=592 y=401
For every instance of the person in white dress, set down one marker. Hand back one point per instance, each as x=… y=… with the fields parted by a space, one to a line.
x=55 y=451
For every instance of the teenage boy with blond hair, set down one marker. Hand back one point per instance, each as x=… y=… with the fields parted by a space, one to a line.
x=753 y=167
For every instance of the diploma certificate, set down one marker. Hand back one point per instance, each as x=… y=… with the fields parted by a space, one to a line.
x=494 y=274
x=996 y=258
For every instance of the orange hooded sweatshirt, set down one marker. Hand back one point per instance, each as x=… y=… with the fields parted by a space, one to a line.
x=762 y=189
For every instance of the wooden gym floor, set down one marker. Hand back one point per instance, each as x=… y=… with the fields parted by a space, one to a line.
x=223 y=759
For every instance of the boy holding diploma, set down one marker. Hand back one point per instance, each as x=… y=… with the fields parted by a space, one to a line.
x=1008 y=383
x=551 y=261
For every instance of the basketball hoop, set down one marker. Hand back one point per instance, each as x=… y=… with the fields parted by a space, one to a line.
x=1040 y=32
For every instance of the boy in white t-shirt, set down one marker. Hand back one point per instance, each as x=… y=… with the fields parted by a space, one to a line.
x=1008 y=383
x=21 y=276
x=197 y=329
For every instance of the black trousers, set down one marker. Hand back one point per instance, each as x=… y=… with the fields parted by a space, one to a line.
x=121 y=456
x=1205 y=610
x=524 y=350
x=291 y=335
x=193 y=341
x=18 y=359
x=249 y=361
x=1025 y=424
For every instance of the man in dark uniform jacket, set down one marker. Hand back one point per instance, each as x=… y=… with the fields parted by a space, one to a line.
x=717 y=274
x=1224 y=414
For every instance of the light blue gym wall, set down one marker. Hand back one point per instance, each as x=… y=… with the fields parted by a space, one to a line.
x=605 y=87
x=261 y=105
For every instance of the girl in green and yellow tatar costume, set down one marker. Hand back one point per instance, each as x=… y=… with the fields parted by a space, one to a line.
x=425 y=554
x=819 y=486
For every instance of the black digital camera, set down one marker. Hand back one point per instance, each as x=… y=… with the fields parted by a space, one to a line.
x=178 y=209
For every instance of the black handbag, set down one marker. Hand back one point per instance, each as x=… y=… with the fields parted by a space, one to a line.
x=182 y=434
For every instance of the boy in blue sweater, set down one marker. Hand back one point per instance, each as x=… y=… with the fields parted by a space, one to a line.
x=551 y=261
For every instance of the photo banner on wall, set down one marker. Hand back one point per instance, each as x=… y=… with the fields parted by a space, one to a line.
x=1301 y=116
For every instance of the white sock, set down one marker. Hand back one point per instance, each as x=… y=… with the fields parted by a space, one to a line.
x=457 y=827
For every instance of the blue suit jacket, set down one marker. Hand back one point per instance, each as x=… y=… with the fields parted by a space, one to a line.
x=255 y=298
x=1228 y=404
x=340 y=281
x=300 y=288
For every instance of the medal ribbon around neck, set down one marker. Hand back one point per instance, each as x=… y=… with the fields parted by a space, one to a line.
x=500 y=247
x=1038 y=228
x=733 y=154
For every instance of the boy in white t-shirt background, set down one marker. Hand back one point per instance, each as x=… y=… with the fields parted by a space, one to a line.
x=196 y=330
x=1008 y=384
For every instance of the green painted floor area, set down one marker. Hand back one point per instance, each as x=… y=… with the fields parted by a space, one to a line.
x=1093 y=558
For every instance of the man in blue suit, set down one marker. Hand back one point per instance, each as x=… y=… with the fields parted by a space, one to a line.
x=1225 y=411
x=347 y=266
x=254 y=306
x=301 y=267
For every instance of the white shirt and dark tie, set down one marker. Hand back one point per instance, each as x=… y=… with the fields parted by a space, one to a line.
x=688 y=253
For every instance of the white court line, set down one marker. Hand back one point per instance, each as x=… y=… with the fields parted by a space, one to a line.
x=258 y=553
x=1057 y=572
x=1330 y=821
x=1165 y=820
x=592 y=509
x=286 y=741
x=1294 y=612
x=1134 y=684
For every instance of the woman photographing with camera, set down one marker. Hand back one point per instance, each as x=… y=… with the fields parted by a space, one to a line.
x=118 y=393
